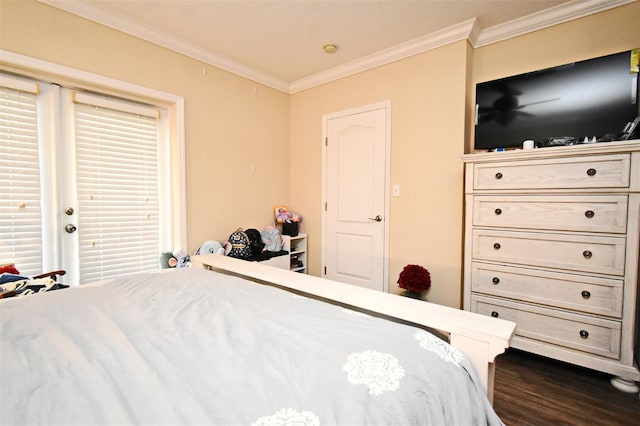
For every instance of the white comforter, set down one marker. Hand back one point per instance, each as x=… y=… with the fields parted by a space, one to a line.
x=202 y=348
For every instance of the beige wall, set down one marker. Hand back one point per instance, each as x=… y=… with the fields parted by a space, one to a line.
x=427 y=94
x=596 y=35
x=228 y=127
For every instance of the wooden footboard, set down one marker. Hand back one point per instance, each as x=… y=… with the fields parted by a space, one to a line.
x=479 y=337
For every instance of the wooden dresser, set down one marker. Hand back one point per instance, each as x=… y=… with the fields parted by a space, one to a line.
x=551 y=242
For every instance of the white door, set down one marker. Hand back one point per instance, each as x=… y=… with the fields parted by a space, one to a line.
x=356 y=175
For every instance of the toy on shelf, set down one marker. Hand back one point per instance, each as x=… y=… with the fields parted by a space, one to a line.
x=285 y=216
x=178 y=259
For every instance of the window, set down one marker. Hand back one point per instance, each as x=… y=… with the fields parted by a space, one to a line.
x=83 y=187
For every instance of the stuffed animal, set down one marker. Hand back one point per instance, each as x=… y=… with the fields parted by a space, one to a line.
x=211 y=247
x=295 y=217
x=184 y=261
x=177 y=259
x=285 y=216
x=271 y=238
x=227 y=248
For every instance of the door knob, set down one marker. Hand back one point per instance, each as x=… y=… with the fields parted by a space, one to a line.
x=70 y=228
x=378 y=218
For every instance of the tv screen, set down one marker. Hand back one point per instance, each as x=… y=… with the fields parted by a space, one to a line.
x=595 y=98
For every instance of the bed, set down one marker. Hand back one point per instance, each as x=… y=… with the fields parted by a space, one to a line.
x=237 y=343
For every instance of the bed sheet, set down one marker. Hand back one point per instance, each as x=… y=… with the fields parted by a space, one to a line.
x=199 y=347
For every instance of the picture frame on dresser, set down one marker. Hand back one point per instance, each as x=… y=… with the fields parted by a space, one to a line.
x=552 y=243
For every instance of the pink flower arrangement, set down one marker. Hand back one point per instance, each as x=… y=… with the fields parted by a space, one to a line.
x=283 y=215
x=414 y=278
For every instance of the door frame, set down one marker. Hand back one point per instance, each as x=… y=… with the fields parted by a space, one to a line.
x=386 y=105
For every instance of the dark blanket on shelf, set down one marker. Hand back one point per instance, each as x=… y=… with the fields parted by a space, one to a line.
x=265 y=255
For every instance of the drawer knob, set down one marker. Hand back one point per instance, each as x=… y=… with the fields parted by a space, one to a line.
x=591 y=172
x=589 y=214
x=587 y=254
x=584 y=334
x=498 y=211
x=498 y=175
x=496 y=280
x=586 y=294
x=496 y=246
x=495 y=314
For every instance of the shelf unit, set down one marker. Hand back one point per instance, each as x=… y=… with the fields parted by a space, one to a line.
x=297 y=248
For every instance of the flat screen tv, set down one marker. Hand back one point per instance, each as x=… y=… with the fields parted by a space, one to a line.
x=596 y=98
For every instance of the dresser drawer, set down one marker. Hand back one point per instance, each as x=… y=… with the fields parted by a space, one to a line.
x=580 y=332
x=552 y=212
x=607 y=171
x=584 y=253
x=593 y=295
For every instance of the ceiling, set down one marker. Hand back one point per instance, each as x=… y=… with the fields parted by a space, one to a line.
x=279 y=42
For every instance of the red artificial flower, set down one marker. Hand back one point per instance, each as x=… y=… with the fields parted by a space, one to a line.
x=414 y=278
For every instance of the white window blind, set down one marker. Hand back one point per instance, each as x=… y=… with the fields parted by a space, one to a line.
x=20 y=192
x=117 y=187
x=108 y=166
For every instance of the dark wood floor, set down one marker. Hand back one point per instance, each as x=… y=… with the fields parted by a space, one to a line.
x=532 y=390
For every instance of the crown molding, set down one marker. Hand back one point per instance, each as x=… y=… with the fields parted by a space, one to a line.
x=449 y=35
x=466 y=30
x=29 y=63
x=135 y=28
x=471 y=30
x=547 y=18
